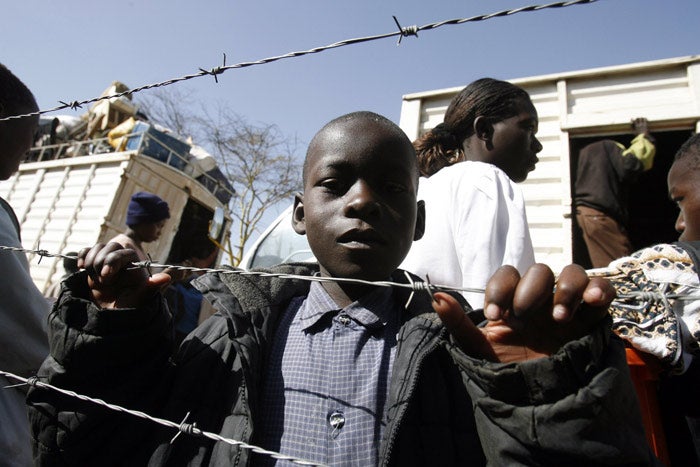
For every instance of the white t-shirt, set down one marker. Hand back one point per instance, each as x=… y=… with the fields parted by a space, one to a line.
x=475 y=223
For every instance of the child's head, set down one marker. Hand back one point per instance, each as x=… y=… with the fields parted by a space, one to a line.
x=146 y=216
x=359 y=208
x=16 y=136
x=684 y=188
x=490 y=121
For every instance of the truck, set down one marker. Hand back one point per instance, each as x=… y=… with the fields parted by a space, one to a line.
x=74 y=193
x=574 y=108
x=579 y=107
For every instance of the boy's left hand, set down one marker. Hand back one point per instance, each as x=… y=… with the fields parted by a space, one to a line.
x=526 y=318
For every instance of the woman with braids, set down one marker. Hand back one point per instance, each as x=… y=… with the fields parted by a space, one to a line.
x=469 y=165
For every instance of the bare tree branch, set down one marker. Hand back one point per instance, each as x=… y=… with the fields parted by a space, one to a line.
x=258 y=160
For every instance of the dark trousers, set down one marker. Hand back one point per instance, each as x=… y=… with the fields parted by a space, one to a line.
x=606 y=239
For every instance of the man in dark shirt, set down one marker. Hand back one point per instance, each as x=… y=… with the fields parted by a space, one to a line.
x=604 y=175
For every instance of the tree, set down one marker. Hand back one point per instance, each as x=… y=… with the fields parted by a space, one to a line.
x=258 y=160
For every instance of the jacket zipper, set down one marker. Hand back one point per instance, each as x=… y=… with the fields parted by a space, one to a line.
x=392 y=438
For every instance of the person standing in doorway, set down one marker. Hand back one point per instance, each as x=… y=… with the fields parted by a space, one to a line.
x=145 y=219
x=604 y=175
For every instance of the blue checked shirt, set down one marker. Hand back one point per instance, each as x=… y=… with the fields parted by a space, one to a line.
x=327 y=379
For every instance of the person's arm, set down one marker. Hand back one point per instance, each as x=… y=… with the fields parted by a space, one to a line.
x=642 y=146
x=110 y=338
x=549 y=380
x=23 y=309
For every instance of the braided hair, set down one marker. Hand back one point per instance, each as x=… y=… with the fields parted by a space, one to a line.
x=488 y=97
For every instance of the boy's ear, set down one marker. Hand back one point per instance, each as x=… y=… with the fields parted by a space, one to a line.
x=420 y=221
x=298 y=221
x=483 y=128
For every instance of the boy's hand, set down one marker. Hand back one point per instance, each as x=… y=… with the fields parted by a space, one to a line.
x=526 y=320
x=111 y=283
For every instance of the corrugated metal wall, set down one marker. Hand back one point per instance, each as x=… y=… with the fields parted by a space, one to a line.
x=61 y=207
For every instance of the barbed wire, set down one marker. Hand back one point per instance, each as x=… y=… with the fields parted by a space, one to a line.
x=217 y=70
x=414 y=286
x=182 y=427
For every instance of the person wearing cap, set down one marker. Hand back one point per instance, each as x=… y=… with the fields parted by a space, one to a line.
x=145 y=218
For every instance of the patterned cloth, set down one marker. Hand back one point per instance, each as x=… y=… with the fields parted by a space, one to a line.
x=658 y=306
x=327 y=380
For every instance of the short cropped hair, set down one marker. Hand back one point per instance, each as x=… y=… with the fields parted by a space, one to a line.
x=359 y=115
x=15 y=96
x=690 y=151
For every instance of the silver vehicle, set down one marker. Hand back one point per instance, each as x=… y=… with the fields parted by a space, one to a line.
x=279 y=243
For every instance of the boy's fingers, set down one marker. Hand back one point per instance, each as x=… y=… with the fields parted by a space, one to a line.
x=158 y=280
x=534 y=290
x=599 y=293
x=469 y=338
x=500 y=289
x=597 y=297
x=571 y=284
x=82 y=254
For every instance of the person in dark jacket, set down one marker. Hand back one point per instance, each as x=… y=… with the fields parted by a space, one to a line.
x=665 y=334
x=604 y=175
x=323 y=363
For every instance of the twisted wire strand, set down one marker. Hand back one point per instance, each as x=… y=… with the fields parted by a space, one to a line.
x=182 y=427
x=401 y=32
x=415 y=286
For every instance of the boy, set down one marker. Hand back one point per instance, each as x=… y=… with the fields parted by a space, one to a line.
x=340 y=372
x=667 y=332
x=23 y=309
x=145 y=219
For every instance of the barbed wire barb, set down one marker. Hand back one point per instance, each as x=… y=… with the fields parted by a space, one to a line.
x=216 y=70
x=405 y=32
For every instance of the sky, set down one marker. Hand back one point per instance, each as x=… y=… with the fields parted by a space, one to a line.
x=72 y=50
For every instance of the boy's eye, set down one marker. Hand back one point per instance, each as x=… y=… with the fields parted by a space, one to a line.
x=332 y=184
x=394 y=187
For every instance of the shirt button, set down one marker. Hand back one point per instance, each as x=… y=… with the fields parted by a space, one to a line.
x=336 y=420
x=344 y=320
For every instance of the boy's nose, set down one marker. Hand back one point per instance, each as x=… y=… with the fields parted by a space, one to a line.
x=536 y=145
x=680 y=223
x=361 y=200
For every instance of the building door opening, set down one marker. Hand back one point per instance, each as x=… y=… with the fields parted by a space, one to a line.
x=191 y=233
x=652 y=214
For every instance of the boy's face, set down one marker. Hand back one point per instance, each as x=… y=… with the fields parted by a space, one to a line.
x=359 y=208
x=16 y=137
x=150 y=231
x=514 y=144
x=684 y=190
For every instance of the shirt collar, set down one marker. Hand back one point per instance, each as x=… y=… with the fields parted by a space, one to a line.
x=373 y=311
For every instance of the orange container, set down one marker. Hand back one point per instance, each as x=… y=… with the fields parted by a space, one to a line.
x=645 y=372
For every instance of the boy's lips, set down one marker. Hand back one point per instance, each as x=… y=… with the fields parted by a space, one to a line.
x=361 y=238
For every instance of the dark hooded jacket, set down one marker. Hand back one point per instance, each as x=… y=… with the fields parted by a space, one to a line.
x=577 y=407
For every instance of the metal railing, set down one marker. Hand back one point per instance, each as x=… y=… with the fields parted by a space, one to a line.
x=96 y=146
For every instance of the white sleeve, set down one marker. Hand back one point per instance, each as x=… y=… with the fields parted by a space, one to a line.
x=23 y=309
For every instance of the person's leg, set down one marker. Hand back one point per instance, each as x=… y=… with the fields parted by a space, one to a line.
x=605 y=238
